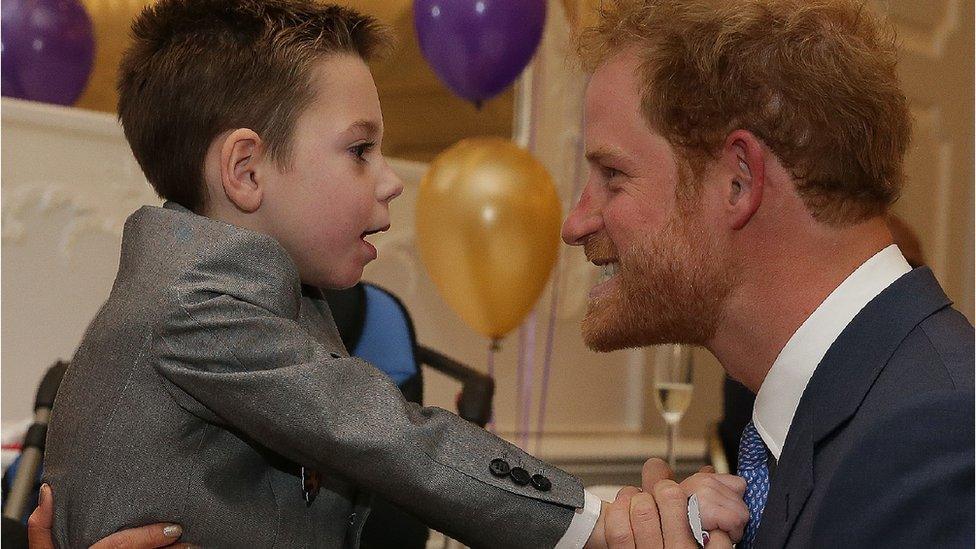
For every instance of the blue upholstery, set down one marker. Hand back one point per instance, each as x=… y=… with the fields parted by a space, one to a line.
x=387 y=338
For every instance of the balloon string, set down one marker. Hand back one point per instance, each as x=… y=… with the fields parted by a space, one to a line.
x=528 y=375
x=553 y=308
x=530 y=101
x=547 y=361
x=492 y=348
x=520 y=382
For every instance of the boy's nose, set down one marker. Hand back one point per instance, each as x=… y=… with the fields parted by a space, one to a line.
x=392 y=185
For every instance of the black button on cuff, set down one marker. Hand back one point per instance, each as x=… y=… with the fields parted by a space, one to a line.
x=499 y=467
x=520 y=476
x=541 y=483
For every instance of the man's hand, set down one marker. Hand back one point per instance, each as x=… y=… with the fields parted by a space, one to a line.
x=146 y=537
x=655 y=518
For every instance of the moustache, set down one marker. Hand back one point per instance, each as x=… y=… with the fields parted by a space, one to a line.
x=599 y=248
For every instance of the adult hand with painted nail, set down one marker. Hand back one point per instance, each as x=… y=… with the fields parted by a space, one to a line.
x=145 y=537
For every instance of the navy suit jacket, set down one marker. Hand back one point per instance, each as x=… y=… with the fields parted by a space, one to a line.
x=880 y=451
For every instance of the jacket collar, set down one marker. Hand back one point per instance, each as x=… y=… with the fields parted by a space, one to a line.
x=839 y=385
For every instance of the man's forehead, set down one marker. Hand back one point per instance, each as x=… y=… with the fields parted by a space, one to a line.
x=613 y=121
x=614 y=86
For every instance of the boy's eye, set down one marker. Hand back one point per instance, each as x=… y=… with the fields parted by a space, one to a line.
x=360 y=150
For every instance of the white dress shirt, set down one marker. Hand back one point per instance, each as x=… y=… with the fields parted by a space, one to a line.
x=780 y=392
x=583 y=523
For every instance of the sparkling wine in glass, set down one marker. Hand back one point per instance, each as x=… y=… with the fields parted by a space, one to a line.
x=672 y=389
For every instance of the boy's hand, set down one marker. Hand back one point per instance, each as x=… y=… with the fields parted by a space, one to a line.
x=146 y=537
x=719 y=501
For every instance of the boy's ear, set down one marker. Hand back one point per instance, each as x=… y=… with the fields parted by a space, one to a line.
x=240 y=155
x=743 y=157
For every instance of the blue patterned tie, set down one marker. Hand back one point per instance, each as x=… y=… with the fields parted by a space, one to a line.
x=753 y=468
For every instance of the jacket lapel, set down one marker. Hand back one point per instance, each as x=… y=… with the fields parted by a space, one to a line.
x=837 y=388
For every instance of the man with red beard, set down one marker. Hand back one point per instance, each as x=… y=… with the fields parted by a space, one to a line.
x=743 y=156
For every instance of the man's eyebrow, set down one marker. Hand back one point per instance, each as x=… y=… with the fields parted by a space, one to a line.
x=606 y=155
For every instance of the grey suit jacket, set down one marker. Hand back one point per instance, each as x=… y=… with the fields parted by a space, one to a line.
x=207 y=378
x=880 y=451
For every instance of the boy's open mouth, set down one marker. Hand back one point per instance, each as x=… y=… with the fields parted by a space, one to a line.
x=374 y=231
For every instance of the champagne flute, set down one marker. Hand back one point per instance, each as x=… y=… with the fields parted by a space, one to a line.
x=672 y=390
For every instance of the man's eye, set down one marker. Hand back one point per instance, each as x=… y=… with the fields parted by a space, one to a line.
x=610 y=173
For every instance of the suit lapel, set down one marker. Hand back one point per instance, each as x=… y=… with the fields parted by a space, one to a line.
x=837 y=388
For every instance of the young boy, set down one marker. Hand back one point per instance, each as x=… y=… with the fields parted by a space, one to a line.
x=212 y=389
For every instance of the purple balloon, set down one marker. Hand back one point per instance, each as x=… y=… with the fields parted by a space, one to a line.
x=478 y=47
x=48 y=50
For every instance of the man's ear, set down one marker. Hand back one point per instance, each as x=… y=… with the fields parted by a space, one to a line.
x=240 y=154
x=742 y=156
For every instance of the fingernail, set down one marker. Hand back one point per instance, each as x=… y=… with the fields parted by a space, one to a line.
x=173 y=531
x=45 y=494
x=705 y=537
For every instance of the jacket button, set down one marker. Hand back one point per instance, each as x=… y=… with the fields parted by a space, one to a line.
x=499 y=467
x=520 y=476
x=352 y=519
x=541 y=483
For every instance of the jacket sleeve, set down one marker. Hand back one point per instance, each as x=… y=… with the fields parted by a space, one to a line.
x=248 y=365
x=907 y=483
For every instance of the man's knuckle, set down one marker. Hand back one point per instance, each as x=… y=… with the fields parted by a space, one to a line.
x=668 y=489
x=643 y=513
x=619 y=536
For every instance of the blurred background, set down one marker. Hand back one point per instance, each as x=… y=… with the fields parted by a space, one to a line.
x=69 y=181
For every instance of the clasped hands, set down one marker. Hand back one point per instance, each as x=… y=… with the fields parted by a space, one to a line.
x=656 y=515
x=653 y=517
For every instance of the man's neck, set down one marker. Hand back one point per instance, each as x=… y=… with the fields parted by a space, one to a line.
x=778 y=291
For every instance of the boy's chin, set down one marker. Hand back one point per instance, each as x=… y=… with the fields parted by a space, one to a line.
x=333 y=280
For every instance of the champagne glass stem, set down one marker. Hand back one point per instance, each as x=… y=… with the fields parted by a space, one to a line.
x=672 y=447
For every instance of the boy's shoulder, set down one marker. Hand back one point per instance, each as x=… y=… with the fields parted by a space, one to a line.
x=190 y=254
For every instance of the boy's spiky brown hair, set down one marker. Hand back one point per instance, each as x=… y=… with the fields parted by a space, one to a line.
x=197 y=68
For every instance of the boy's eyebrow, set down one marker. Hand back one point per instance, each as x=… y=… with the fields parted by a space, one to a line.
x=368 y=126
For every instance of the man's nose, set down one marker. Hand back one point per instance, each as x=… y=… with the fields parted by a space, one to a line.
x=583 y=220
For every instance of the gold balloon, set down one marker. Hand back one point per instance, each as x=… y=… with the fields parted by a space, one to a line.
x=488 y=231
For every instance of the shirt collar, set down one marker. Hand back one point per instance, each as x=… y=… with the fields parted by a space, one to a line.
x=780 y=392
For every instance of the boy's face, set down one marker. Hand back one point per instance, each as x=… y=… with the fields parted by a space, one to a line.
x=338 y=186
